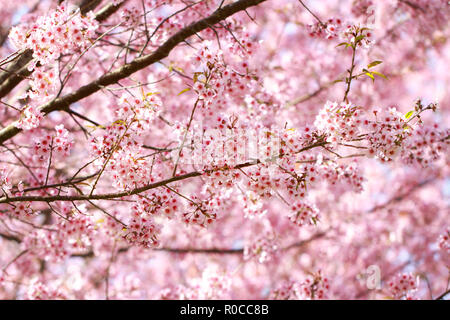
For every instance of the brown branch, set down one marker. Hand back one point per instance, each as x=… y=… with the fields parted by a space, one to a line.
x=185 y=136
x=238 y=251
x=352 y=68
x=311 y=95
x=15 y=259
x=312 y=13
x=107 y=11
x=401 y=196
x=137 y=64
x=76 y=114
x=15 y=73
x=223 y=251
x=116 y=195
x=10 y=237
x=442 y=296
x=412 y=5
x=88 y=5
x=62 y=184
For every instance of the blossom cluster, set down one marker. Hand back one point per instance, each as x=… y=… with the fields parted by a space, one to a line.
x=30 y=118
x=37 y=290
x=309 y=171
x=159 y=202
x=339 y=120
x=263 y=181
x=142 y=231
x=329 y=30
x=213 y=284
x=73 y=235
x=444 y=246
x=287 y=290
x=43 y=84
x=131 y=15
x=262 y=249
x=128 y=169
x=23 y=210
x=427 y=145
x=78 y=232
x=203 y=212
x=60 y=31
x=334 y=28
x=358 y=36
x=340 y=174
x=117 y=147
x=403 y=285
x=221 y=80
x=315 y=286
x=253 y=207
x=5 y=180
x=304 y=213
x=60 y=143
x=222 y=178
x=224 y=142
x=386 y=134
x=139 y=110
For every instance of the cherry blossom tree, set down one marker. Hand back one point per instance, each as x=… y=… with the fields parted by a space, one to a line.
x=218 y=149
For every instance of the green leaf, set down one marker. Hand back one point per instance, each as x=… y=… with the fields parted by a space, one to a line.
x=374 y=63
x=346 y=44
x=409 y=114
x=379 y=74
x=359 y=38
x=370 y=75
x=338 y=80
x=184 y=90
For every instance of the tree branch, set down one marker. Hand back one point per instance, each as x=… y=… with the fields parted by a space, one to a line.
x=442 y=296
x=237 y=251
x=121 y=194
x=402 y=196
